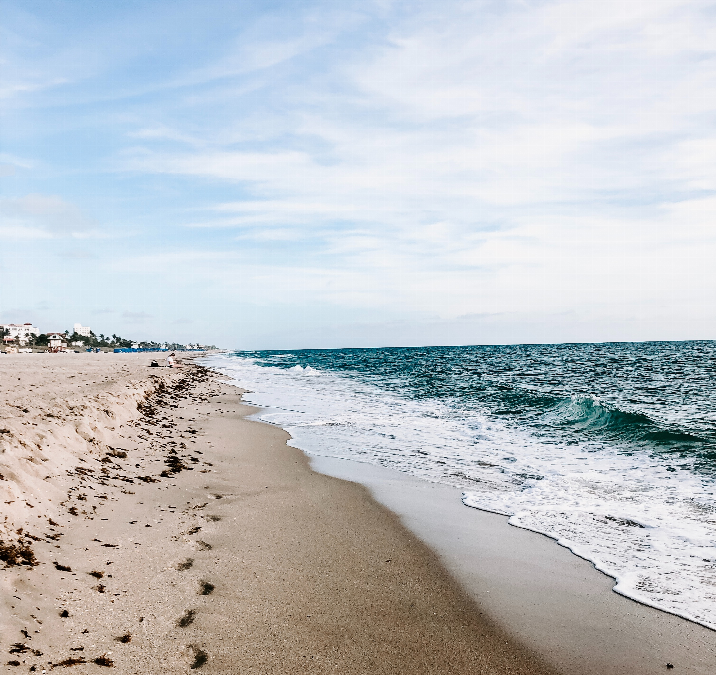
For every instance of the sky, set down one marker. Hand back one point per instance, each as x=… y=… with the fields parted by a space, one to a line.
x=310 y=174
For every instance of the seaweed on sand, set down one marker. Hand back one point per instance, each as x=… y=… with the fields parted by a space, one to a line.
x=72 y=661
x=19 y=553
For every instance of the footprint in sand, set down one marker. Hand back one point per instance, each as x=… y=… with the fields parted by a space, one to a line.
x=187 y=618
x=206 y=588
x=200 y=657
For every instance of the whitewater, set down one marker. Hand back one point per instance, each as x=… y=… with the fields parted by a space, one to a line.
x=608 y=449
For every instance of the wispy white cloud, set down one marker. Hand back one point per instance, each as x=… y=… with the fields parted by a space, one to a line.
x=37 y=216
x=455 y=159
x=531 y=142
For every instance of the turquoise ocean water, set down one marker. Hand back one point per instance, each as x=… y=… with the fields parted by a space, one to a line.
x=608 y=448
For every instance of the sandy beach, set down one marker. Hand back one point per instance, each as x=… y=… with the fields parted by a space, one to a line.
x=210 y=545
x=150 y=527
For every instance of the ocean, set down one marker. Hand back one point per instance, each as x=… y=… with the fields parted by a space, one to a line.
x=610 y=449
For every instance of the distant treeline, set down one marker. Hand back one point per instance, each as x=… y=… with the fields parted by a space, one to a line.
x=101 y=340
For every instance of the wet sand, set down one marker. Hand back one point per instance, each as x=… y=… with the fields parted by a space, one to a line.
x=550 y=600
x=211 y=545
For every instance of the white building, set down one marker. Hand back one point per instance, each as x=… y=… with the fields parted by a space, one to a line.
x=18 y=332
x=84 y=331
x=55 y=340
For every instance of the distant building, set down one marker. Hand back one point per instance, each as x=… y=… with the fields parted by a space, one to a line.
x=55 y=340
x=19 y=332
x=84 y=331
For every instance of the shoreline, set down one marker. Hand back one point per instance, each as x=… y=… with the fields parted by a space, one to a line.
x=549 y=599
x=567 y=609
x=211 y=544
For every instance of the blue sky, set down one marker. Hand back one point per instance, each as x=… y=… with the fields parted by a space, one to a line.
x=321 y=174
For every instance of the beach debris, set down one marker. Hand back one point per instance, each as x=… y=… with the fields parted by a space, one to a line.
x=71 y=661
x=62 y=568
x=18 y=648
x=96 y=574
x=103 y=660
x=669 y=666
x=175 y=464
x=13 y=663
x=124 y=639
x=64 y=614
x=100 y=588
x=185 y=564
x=187 y=618
x=19 y=553
x=115 y=452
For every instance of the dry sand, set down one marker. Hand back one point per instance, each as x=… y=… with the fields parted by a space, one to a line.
x=211 y=545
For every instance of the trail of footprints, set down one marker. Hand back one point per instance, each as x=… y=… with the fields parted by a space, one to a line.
x=204 y=587
x=200 y=656
x=160 y=427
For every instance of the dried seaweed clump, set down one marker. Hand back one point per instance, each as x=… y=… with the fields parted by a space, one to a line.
x=72 y=661
x=18 y=553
